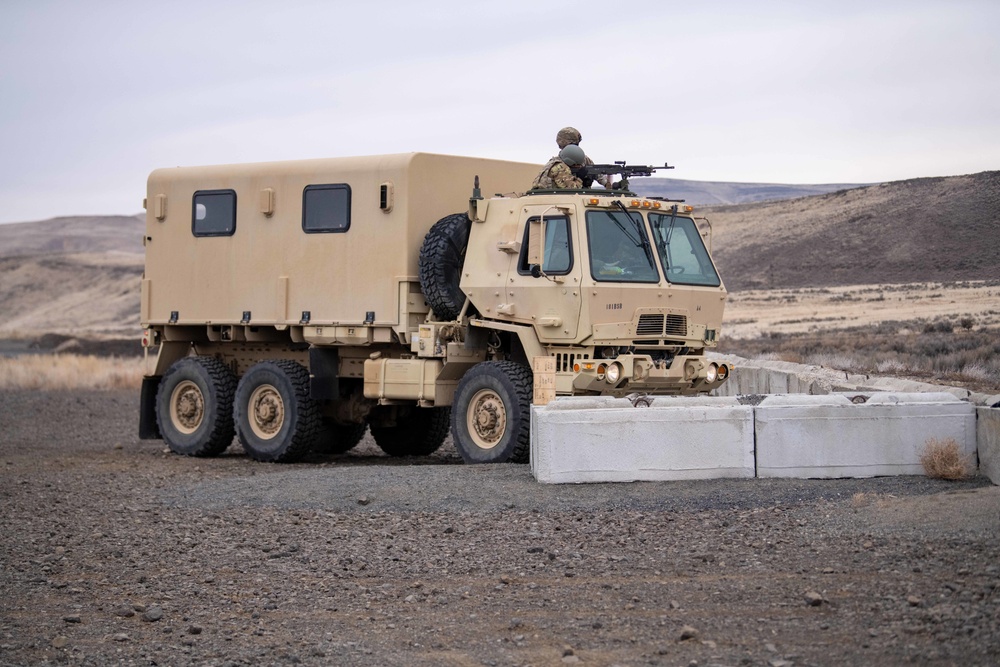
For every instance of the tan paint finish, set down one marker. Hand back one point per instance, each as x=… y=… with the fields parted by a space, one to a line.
x=271 y=268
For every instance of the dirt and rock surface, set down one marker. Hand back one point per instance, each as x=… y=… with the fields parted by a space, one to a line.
x=115 y=552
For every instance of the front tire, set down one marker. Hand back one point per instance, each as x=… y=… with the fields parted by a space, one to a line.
x=194 y=406
x=276 y=419
x=418 y=433
x=491 y=416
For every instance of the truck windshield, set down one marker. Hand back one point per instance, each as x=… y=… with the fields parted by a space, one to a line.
x=618 y=248
x=682 y=252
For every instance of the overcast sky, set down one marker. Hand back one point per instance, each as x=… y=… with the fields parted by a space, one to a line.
x=95 y=95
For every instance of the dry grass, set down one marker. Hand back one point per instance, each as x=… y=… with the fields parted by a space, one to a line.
x=70 y=371
x=908 y=349
x=942 y=459
x=862 y=499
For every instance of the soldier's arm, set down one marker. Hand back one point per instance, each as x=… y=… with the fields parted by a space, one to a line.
x=562 y=177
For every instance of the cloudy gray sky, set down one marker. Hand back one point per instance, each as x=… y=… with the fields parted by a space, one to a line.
x=93 y=96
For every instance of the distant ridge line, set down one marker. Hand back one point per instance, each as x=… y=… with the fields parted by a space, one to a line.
x=723 y=193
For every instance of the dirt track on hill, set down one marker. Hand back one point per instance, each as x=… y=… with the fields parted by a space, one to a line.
x=114 y=552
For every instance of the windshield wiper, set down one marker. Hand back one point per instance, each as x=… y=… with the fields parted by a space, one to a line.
x=643 y=242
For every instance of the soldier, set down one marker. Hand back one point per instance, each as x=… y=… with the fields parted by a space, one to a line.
x=571 y=136
x=558 y=172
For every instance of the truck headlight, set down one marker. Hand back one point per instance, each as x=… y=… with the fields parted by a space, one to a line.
x=711 y=372
x=614 y=373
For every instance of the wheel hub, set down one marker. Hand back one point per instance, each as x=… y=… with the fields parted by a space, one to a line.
x=187 y=407
x=267 y=411
x=487 y=419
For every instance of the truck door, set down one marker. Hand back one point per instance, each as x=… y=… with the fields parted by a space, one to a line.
x=544 y=289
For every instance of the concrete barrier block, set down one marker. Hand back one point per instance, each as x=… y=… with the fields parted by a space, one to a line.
x=689 y=440
x=589 y=403
x=801 y=400
x=777 y=382
x=744 y=380
x=818 y=440
x=985 y=400
x=988 y=435
x=693 y=401
x=888 y=398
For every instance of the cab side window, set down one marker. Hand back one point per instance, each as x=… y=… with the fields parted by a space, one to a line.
x=558 y=247
x=213 y=213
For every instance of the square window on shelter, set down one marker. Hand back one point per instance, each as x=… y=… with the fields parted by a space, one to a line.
x=214 y=213
x=326 y=208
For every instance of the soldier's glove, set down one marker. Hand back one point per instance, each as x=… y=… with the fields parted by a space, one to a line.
x=620 y=185
x=580 y=172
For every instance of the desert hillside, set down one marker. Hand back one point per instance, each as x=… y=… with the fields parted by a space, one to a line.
x=925 y=229
x=714 y=193
x=71 y=275
x=90 y=234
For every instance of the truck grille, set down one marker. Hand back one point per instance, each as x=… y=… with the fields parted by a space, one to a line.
x=564 y=362
x=658 y=324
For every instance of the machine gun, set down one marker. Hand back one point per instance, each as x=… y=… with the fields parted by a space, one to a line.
x=588 y=173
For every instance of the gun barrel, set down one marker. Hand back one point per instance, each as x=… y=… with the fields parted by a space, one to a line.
x=623 y=169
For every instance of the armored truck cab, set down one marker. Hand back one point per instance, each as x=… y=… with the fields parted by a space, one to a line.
x=299 y=304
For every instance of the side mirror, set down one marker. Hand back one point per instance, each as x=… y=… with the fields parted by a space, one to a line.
x=536 y=246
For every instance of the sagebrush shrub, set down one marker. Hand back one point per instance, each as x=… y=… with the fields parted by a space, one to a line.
x=942 y=459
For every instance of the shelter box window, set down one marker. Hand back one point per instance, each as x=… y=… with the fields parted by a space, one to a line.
x=326 y=208
x=214 y=213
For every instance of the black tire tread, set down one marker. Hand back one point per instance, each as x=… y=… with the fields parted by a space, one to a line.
x=440 y=265
x=521 y=380
x=223 y=384
x=309 y=425
x=337 y=438
x=418 y=434
x=524 y=384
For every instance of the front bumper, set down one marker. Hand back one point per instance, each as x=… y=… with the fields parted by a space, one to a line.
x=631 y=373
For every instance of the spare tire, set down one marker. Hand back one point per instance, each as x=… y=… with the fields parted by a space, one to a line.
x=441 y=258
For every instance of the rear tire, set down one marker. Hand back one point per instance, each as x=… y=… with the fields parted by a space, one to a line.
x=418 y=433
x=276 y=419
x=337 y=438
x=441 y=258
x=194 y=406
x=491 y=417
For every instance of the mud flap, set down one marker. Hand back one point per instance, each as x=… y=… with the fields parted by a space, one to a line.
x=324 y=366
x=148 y=428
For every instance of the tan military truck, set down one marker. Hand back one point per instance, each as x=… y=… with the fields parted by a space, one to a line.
x=297 y=304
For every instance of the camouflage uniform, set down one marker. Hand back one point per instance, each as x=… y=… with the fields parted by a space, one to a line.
x=571 y=135
x=556 y=174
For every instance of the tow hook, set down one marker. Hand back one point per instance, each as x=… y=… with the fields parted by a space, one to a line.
x=640 y=400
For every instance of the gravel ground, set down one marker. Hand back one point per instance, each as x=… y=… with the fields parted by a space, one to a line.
x=115 y=552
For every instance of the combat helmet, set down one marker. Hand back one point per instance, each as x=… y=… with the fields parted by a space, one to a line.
x=567 y=136
x=573 y=155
